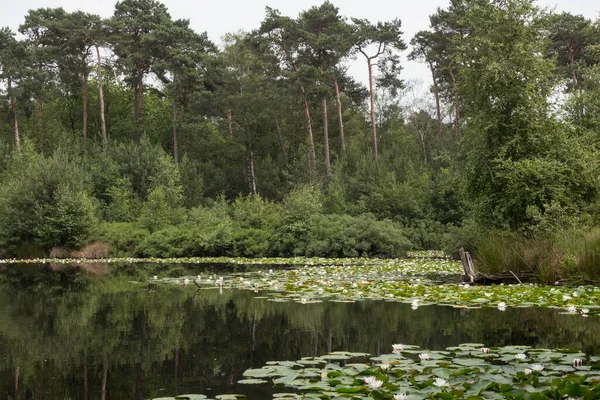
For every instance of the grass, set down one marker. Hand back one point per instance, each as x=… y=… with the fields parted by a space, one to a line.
x=566 y=255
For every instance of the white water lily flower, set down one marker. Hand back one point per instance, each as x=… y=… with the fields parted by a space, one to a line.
x=186 y=282
x=537 y=367
x=585 y=311
x=502 y=306
x=414 y=306
x=439 y=382
x=528 y=371
x=485 y=350
x=566 y=297
x=520 y=356
x=578 y=362
x=424 y=356
x=155 y=277
x=400 y=396
x=384 y=366
x=572 y=309
x=397 y=348
x=373 y=382
x=415 y=302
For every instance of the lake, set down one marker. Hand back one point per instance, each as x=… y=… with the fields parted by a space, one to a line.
x=72 y=332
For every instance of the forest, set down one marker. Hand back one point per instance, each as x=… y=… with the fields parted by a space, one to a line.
x=136 y=135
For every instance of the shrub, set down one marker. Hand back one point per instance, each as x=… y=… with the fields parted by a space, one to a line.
x=69 y=221
x=45 y=201
x=347 y=236
x=123 y=237
x=124 y=205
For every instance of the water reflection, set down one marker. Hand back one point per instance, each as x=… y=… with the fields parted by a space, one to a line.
x=71 y=333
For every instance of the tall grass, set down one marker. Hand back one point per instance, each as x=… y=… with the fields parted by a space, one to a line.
x=564 y=255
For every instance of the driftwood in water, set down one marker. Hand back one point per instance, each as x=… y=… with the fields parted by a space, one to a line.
x=489 y=279
x=508 y=277
x=467 y=262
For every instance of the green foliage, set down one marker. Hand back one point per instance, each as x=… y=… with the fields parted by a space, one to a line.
x=302 y=203
x=192 y=182
x=165 y=197
x=123 y=204
x=45 y=200
x=123 y=237
x=69 y=221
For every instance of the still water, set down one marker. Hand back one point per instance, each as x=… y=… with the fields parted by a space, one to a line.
x=85 y=333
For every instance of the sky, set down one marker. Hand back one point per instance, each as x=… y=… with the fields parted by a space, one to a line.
x=220 y=17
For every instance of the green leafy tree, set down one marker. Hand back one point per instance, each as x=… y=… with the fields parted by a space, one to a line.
x=386 y=39
x=140 y=34
x=520 y=159
x=12 y=59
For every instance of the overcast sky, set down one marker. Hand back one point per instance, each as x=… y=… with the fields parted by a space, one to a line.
x=220 y=17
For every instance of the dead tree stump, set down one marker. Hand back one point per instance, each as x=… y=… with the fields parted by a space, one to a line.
x=467 y=262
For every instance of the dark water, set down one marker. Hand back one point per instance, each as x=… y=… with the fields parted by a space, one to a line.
x=67 y=332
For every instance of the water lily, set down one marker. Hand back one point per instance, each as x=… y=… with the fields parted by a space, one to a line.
x=502 y=306
x=155 y=277
x=373 y=382
x=566 y=297
x=414 y=307
x=537 y=367
x=584 y=312
x=439 y=382
x=572 y=309
x=578 y=362
x=384 y=366
x=424 y=356
x=485 y=350
x=397 y=348
x=186 y=282
x=528 y=371
x=521 y=356
x=400 y=396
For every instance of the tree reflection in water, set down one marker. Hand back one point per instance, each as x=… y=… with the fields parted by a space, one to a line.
x=72 y=333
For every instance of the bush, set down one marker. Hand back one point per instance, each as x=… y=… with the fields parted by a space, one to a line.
x=124 y=205
x=69 y=221
x=207 y=233
x=123 y=237
x=45 y=201
x=347 y=236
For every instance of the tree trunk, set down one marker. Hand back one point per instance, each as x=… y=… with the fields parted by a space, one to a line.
x=140 y=121
x=13 y=110
x=313 y=152
x=372 y=95
x=340 y=118
x=138 y=104
x=176 y=371
x=573 y=71
x=175 y=134
x=281 y=142
x=39 y=112
x=104 y=375
x=456 y=105
x=230 y=122
x=326 y=138
x=251 y=177
x=85 y=380
x=436 y=93
x=85 y=104
x=101 y=100
x=17 y=371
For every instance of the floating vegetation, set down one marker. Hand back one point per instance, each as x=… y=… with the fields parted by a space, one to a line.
x=423 y=279
x=468 y=371
x=417 y=281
